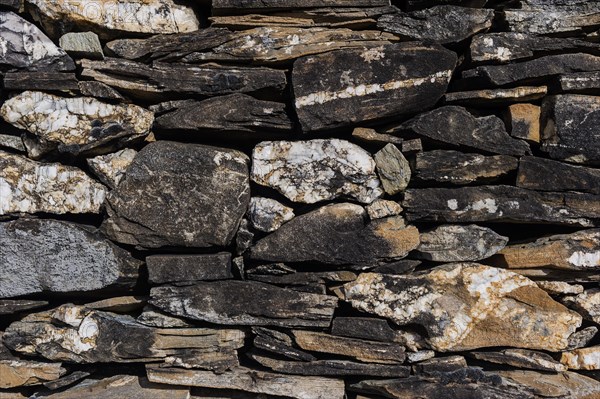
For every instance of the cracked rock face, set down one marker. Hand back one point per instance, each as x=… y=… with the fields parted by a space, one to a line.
x=28 y=186
x=316 y=170
x=79 y=259
x=267 y=214
x=463 y=305
x=177 y=194
x=111 y=168
x=74 y=125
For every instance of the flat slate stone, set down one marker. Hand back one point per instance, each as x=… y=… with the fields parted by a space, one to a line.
x=244 y=6
x=80 y=260
x=12 y=306
x=369 y=84
x=495 y=97
x=549 y=19
x=188 y=268
x=521 y=358
x=548 y=175
x=50 y=81
x=177 y=194
x=582 y=82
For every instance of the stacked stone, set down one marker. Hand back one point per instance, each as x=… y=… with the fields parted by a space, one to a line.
x=298 y=198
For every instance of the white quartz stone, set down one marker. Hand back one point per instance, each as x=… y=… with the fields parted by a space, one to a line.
x=111 y=168
x=267 y=214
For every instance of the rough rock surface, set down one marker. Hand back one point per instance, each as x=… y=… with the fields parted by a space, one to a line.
x=82 y=45
x=163 y=199
x=79 y=259
x=548 y=175
x=393 y=169
x=525 y=122
x=111 y=168
x=582 y=359
x=586 y=303
x=495 y=97
x=460 y=311
x=16 y=373
x=316 y=170
x=267 y=214
x=188 y=268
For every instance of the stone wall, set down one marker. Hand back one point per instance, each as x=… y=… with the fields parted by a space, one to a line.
x=311 y=199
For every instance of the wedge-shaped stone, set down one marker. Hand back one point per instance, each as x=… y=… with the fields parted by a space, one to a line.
x=332 y=367
x=177 y=194
x=77 y=334
x=316 y=170
x=441 y=24
x=548 y=175
x=80 y=260
x=374 y=329
x=521 y=358
x=110 y=168
x=576 y=251
x=586 y=304
x=304 y=278
x=458 y=168
x=25 y=46
x=114 y=17
x=267 y=214
x=566 y=18
x=338 y=234
x=277 y=45
x=456 y=243
x=548 y=385
x=456 y=127
x=582 y=359
x=28 y=186
x=495 y=97
x=466 y=306
x=501 y=203
x=75 y=125
x=369 y=84
x=187 y=268
x=248 y=380
x=362 y=350
x=245 y=303
x=238 y=113
x=162 y=81
x=279 y=343
x=569 y=128
x=243 y=6
x=17 y=373
x=12 y=306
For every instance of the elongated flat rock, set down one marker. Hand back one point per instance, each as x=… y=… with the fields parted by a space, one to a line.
x=316 y=170
x=582 y=82
x=566 y=18
x=299 y=387
x=162 y=81
x=569 y=384
x=28 y=186
x=549 y=175
x=365 y=85
x=25 y=46
x=495 y=97
x=521 y=358
x=12 y=306
x=455 y=243
x=455 y=126
x=568 y=128
x=279 y=343
x=245 y=303
x=79 y=260
x=458 y=168
x=501 y=203
x=441 y=24
x=188 y=268
x=50 y=81
x=177 y=194
x=17 y=373
x=465 y=306
x=338 y=234
x=112 y=18
x=243 y=6
x=74 y=125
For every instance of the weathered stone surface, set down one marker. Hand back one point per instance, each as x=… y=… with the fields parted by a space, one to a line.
x=267 y=214
x=305 y=278
x=495 y=97
x=15 y=5
x=529 y=72
x=582 y=82
x=92 y=88
x=582 y=359
x=338 y=234
x=245 y=303
x=79 y=260
x=162 y=81
x=466 y=306
x=332 y=367
x=17 y=373
x=121 y=304
x=153 y=317
x=503 y=47
x=25 y=46
x=456 y=127
x=74 y=125
x=67 y=380
x=586 y=304
x=393 y=169
x=12 y=142
x=380 y=209
x=548 y=175
x=299 y=387
x=176 y=194
x=238 y=113
x=371 y=136
x=566 y=384
x=524 y=120
x=276 y=45
x=362 y=350
x=458 y=168
x=455 y=243
x=576 y=251
x=559 y=287
x=122 y=386
x=11 y=306
x=441 y=24
x=82 y=45
x=279 y=343
x=28 y=186
x=501 y=203
x=50 y=81
x=110 y=168
x=582 y=338
x=112 y=18
x=243 y=6
x=568 y=128
x=521 y=358
x=419 y=356
x=369 y=328
x=316 y=170
x=565 y=19
x=446 y=364
x=188 y=268
x=369 y=84
x=81 y=335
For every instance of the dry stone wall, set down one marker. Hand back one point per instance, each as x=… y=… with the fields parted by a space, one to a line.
x=308 y=199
